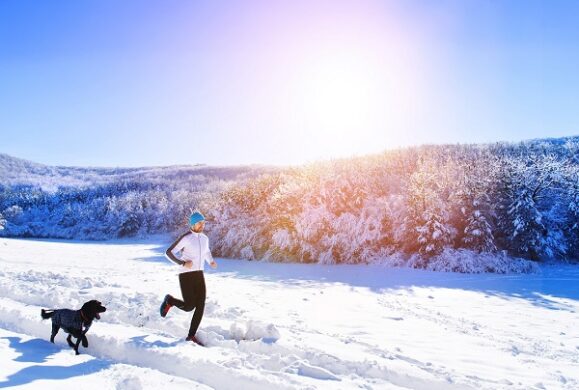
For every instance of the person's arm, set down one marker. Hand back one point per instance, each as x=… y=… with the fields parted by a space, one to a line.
x=170 y=255
x=208 y=255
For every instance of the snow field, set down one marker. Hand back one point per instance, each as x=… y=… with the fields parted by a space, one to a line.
x=317 y=327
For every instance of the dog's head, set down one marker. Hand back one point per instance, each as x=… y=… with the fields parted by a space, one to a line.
x=91 y=309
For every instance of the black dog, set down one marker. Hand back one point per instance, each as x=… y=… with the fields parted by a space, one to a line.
x=73 y=321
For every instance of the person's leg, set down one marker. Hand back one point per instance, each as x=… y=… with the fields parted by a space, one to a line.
x=187 y=283
x=198 y=302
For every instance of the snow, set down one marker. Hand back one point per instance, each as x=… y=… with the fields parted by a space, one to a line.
x=283 y=326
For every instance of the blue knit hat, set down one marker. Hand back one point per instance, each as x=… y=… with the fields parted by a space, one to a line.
x=196 y=217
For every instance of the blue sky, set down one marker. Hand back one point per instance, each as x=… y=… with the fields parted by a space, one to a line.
x=135 y=83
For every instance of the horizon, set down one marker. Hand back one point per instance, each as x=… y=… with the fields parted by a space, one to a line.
x=134 y=84
x=297 y=165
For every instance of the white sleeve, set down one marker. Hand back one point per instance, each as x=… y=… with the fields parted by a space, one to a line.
x=208 y=256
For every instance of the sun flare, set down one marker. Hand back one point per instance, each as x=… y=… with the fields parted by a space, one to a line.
x=340 y=102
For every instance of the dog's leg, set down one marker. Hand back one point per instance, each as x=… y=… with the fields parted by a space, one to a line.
x=77 y=344
x=84 y=341
x=78 y=335
x=55 y=329
x=78 y=340
x=69 y=341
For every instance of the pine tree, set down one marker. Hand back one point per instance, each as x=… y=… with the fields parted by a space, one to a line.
x=15 y=221
x=433 y=234
x=426 y=224
x=475 y=211
x=572 y=223
x=131 y=215
x=536 y=226
x=478 y=233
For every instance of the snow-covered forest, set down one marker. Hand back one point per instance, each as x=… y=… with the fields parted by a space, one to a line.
x=467 y=208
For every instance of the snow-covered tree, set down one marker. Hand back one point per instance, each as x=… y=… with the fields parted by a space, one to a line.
x=429 y=201
x=16 y=223
x=472 y=204
x=572 y=222
x=478 y=233
x=426 y=223
x=536 y=229
x=571 y=147
x=433 y=233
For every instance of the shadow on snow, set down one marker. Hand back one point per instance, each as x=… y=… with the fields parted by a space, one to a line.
x=542 y=289
x=38 y=351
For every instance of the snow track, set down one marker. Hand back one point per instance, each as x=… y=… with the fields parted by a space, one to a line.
x=136 y=345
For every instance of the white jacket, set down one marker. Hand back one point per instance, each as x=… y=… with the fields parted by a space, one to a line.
x=192 y=247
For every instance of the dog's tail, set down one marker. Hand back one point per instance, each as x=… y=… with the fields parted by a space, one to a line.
x=46 y=314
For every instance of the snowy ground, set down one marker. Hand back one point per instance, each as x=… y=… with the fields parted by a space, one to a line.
x=280 y=326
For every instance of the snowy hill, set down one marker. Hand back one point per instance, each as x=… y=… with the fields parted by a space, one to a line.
x=18 y=172
x=283 y=326
x=460 y=208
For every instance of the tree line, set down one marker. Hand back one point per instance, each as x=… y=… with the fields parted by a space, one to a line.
x=520 y=200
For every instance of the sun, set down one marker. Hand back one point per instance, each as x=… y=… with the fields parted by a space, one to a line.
x=339 y=102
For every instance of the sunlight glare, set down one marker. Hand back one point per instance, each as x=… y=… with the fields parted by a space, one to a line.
x=339 y=100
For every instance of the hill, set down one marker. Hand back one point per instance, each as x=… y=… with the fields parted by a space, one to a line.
x=18 y=172
x=463 y=208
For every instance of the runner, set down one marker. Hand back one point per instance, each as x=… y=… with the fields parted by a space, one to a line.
x=190 y=251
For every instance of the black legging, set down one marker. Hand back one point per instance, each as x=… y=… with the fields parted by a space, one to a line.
x=193 y=291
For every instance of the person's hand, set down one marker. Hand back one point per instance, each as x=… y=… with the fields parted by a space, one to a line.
x=188 y=264
x=213 y=264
